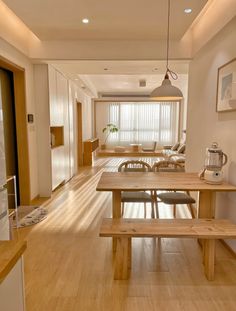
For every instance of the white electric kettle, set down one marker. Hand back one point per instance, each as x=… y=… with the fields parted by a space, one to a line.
x=215 y=160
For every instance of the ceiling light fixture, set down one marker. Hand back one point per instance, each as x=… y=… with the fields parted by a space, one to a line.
x=85 y=20
x=188 y=11
x=167 y=92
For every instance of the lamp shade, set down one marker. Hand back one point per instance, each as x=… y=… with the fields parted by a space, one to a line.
x=166 y=92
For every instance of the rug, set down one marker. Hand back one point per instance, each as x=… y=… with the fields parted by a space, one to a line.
x=35 y=215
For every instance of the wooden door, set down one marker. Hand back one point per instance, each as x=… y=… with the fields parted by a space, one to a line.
x=79 y=135
x=21 y=129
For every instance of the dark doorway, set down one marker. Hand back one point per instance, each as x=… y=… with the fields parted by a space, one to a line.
x=9 y=125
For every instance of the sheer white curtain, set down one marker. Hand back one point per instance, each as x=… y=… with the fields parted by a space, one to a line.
x=142 y=122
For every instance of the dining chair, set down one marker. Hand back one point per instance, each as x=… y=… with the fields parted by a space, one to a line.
x=137 y=196
x=172 y=197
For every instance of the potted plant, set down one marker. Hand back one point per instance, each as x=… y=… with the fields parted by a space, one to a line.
x=110 y=128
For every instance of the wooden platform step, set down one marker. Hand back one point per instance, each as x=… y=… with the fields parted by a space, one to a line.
x=129 y=153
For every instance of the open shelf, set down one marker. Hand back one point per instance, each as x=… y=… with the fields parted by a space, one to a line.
x=57 y=136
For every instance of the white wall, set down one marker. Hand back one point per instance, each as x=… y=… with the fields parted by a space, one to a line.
x=86 y=113
x=204 y=124
x=101 y=115
x=10 y=53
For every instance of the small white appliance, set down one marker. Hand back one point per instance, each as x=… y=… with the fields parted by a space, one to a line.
x=215 y=160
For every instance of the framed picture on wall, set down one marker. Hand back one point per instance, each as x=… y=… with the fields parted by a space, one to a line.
x=226 y=87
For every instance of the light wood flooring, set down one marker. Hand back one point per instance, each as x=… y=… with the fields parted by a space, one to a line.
x=68 y=267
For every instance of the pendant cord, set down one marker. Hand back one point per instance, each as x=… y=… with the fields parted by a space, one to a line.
x=173 y=75
x=168 y=37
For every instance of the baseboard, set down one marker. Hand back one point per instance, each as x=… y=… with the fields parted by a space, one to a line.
x=228 y=248
x=34 y=199
x=39 y=200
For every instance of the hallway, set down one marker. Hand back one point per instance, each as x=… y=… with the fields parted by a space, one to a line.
x=68 y=267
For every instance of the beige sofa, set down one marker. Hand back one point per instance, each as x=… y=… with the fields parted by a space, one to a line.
x=176 y=153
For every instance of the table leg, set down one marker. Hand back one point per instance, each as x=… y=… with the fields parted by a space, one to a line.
x=116 y=211
x=206 y=204
x=206 y=207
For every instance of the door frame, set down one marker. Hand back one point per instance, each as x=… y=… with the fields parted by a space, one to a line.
x=21 y=128
x=79 y=134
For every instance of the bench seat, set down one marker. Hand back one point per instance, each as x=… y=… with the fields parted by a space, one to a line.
x=125 y=229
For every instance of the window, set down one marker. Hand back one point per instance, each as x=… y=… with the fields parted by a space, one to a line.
x=142 y=122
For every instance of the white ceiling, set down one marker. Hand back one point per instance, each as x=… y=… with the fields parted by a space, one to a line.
x=119 y=67
x=120 y=77
x=109 y=19
x=123 y=84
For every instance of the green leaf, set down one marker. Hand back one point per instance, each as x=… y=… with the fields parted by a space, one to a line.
x=110 y=128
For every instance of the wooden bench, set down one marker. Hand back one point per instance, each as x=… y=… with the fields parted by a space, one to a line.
x=124 y=229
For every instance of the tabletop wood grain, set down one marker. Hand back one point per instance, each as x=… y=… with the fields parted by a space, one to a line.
x=111 y=181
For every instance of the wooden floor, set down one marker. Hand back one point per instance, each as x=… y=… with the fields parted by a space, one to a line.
x=69 y=268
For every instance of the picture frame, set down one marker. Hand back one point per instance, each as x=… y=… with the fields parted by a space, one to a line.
x=226 y=87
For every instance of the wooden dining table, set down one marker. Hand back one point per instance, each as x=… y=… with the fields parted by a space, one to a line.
x=116 y=182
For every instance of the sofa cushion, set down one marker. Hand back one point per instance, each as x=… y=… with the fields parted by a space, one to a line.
x=175 y=147
x=181 y=148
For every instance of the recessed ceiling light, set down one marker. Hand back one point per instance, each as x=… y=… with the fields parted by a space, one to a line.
x=76 y=79
x=85 y=20
x=188 y=11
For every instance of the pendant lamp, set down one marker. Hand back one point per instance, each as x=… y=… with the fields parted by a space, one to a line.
x=167 y=91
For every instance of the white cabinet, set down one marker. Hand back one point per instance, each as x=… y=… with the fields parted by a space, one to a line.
x=58 y=166
x=60 y=158
x=12 y=289
x=52 y=89
x=57 y=85
x=67 y=134
x=72 y=130
x=53 y=121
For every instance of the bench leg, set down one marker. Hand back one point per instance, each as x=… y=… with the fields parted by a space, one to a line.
x=129 y=252
x=122 y=258
x=209 y=258
x=116 y=211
